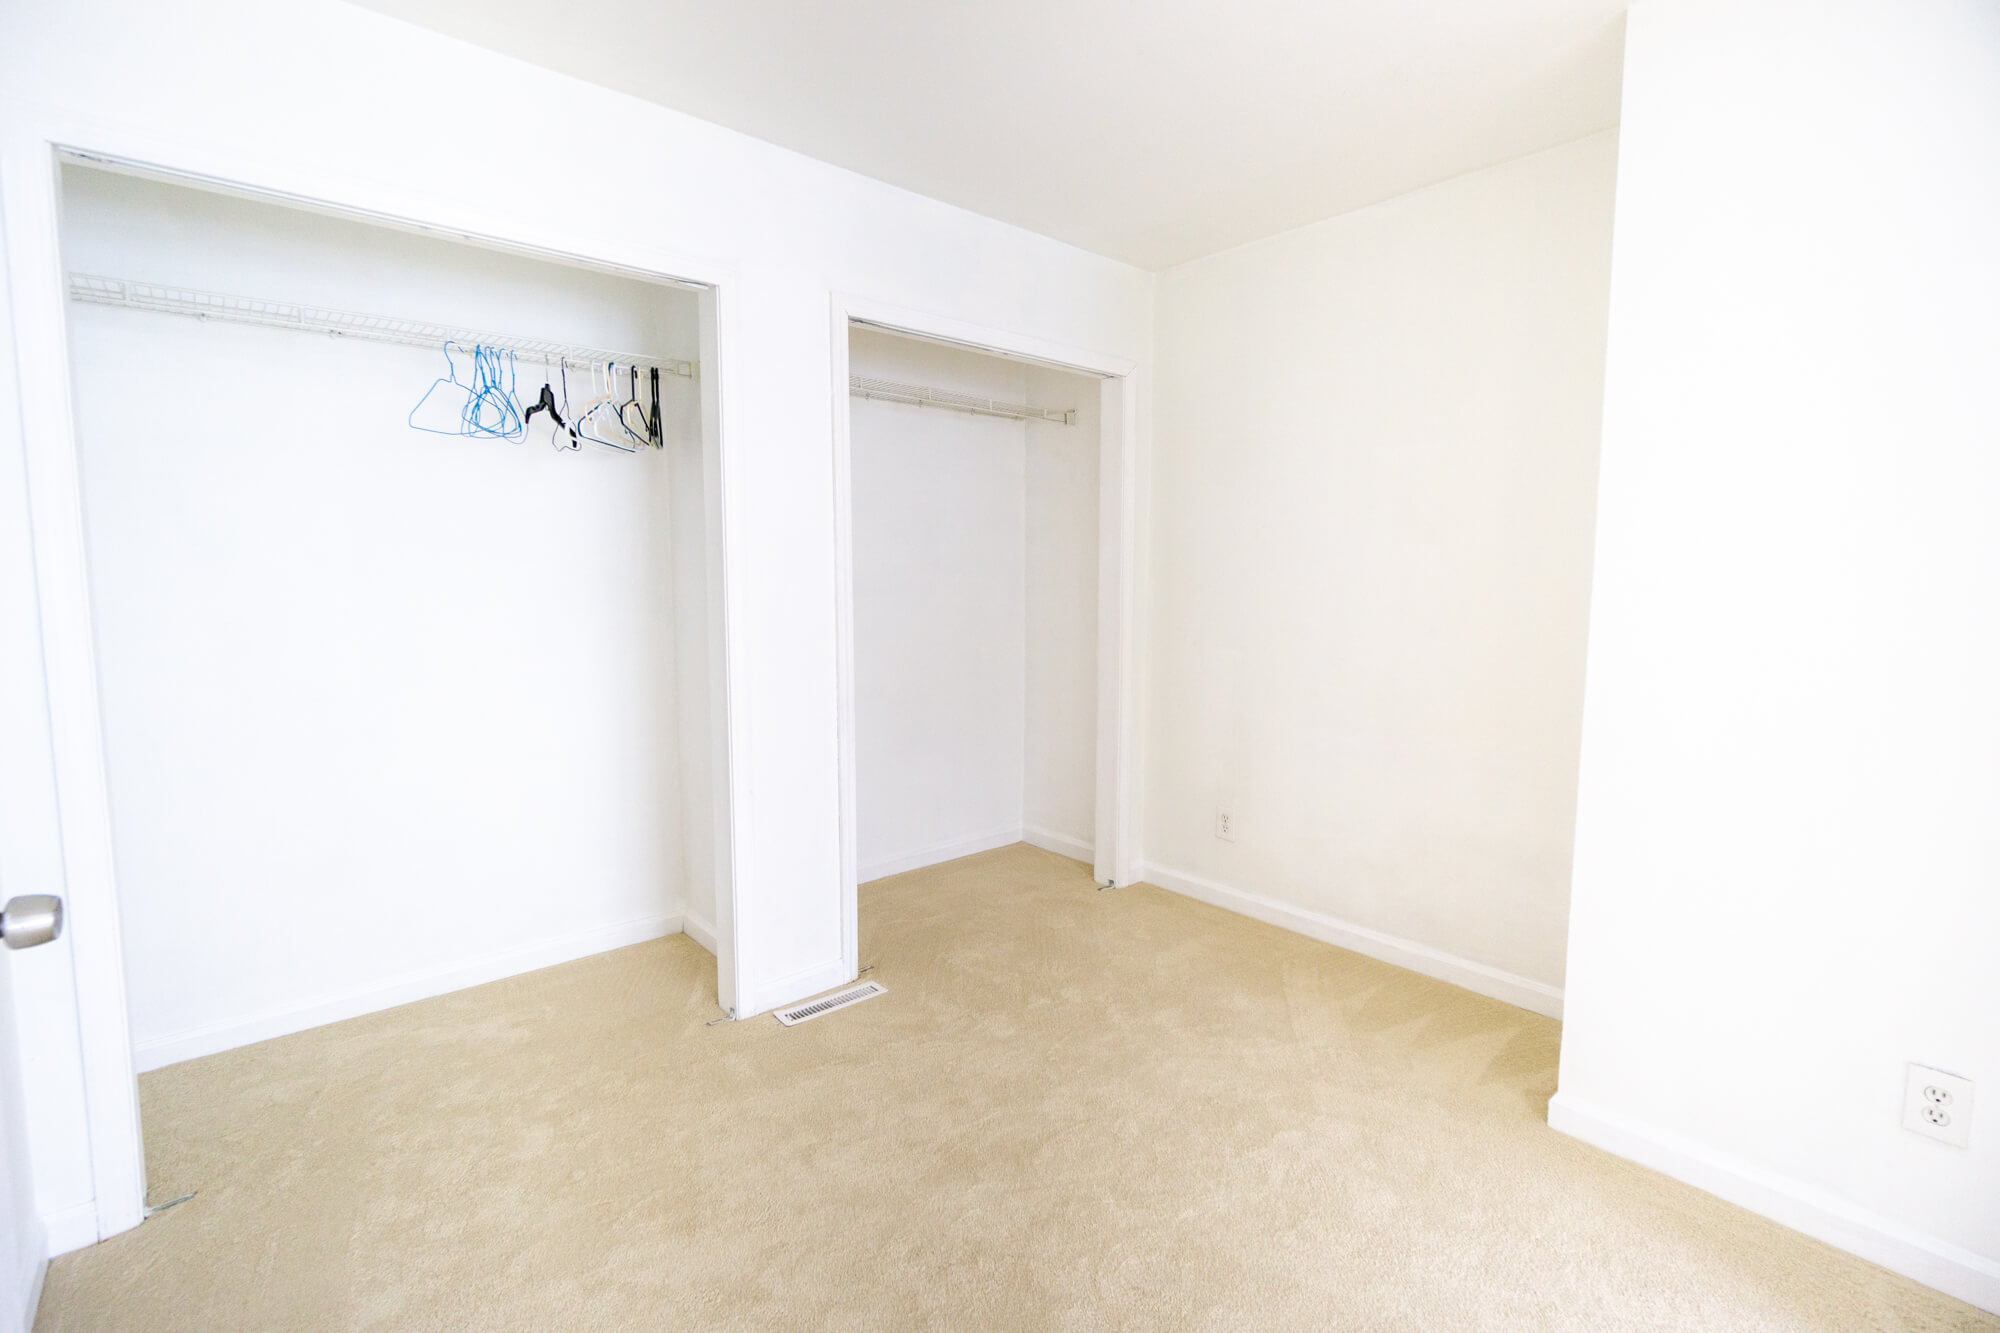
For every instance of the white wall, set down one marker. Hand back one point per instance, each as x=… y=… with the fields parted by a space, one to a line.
x=326 y=100
x=1059 y=787
x=1371 y=523
x=939 y=609
x=384 y=710
x=1785 y=859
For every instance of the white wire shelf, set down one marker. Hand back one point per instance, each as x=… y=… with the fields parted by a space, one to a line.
x=99 y=290
x=888 y=391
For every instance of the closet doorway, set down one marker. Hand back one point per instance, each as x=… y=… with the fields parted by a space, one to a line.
x=400 y=561
x=985 y=537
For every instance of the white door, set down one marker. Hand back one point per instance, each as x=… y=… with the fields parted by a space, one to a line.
x=21 y=1243
x=20 y=1230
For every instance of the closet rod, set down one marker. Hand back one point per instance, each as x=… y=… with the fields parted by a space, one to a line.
x=99 y=290
x=888 y=391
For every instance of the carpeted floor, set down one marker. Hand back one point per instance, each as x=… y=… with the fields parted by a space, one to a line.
x=1073 y=1110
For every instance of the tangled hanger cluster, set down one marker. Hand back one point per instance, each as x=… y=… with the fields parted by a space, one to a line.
x=604 y=419
x=485 y=404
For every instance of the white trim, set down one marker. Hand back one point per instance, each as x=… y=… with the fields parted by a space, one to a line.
x=1118 y=572
x=701 y=932
x=934 y=327
x=1860 y=1231
x=940 y=853
x=1115 y=838
x=785 y=990
x=70 y=1228
x=729 y=707
x=1537 y=996
x=843 y=643
x=197 y=1042
x=1076 y=849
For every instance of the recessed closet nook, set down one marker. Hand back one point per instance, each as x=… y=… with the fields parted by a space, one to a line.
x=975 y=607
x=399 y=557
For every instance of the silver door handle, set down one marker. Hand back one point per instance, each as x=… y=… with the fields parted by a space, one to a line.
x=32 y=919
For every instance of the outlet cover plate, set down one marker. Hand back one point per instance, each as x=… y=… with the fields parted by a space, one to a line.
x=1938 y=1105
x=1225 y=823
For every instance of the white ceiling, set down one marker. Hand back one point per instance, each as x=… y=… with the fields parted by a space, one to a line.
x=1154 y=131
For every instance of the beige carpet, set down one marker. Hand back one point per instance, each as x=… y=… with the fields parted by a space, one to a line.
x=1073 y=1110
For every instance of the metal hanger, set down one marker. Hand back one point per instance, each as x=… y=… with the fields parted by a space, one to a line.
x=647 y=429
x=451 y=397
x=588 y=422
x=495 y=409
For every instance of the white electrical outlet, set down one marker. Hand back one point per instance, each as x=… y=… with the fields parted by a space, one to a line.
x=1938 y=1105
x=1225 y=823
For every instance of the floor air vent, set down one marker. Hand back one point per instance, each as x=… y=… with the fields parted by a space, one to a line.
x=799 y=1013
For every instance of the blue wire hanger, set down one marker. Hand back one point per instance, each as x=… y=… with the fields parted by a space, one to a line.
x=486 y=406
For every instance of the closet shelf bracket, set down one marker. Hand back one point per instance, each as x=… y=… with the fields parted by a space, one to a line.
x=888 y=391
x=96 y=289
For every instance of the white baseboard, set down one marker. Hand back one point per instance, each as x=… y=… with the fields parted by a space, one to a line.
x=699 y=931
x=70 y=1228
x=800 y=986
x=1537 y=996
x=1076 y=849
x=1882 y=1240
x=197 y=1042
x=945 y=851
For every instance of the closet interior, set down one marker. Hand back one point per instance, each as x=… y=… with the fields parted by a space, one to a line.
x=400 y=560
x=974 y=485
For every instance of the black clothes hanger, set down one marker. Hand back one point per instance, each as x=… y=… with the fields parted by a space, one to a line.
x=546 y=404
x=645 y=427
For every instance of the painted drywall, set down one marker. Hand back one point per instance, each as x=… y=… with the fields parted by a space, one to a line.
x=326 y=100
x=1785 y=861
x=1059 y=775
x=1156 y=132
x=939 y=609
x=379 y=704
x=1371 y=507
x=689 y=543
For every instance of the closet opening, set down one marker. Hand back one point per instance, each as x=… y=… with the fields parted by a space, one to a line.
x=984 y=598
x=403 y=561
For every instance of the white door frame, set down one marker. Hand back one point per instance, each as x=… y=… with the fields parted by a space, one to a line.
x=1115 y=849
x=30 y=211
